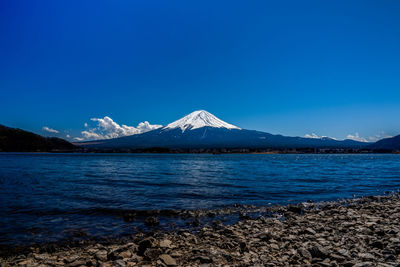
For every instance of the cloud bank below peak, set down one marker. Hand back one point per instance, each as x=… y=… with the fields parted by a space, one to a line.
x=374 y=138
x=315 y=136
x=356 y=137
x=107 y=128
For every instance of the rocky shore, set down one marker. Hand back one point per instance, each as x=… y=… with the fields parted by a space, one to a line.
x=357 y=232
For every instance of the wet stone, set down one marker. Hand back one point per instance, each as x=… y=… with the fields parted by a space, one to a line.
x=310 y=231
x=152 y=253
x=76 y=263
x=101 y=255
x=152 y=221
x=125 y=254
x=144 y=244
x=165 y=243
x=304 y=253
x=203 y=259
x=318 y=252
x=168 y=260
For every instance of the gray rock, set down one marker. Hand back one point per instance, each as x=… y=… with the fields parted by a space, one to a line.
x=119 y=263
x=337 y=257
x=304 y=253
x=101 y=255
x=203 y=259
x=168 y=260
x=274 y=246
x=318 y=252
x=266 y=236
x=40 y=257
x=165 y=243
x=71 y=258
x=366 y=256
x=310 y=231
x=363 y=264
x=76 y=263
x=152 y=253
x=125 y=254
x=145 y=244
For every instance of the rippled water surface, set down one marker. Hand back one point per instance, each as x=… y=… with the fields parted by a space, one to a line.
x=47 y=197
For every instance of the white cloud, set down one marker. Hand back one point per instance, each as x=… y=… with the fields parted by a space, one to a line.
x=47 y=129
x=92 y=135
x=373 y=138
x=79 y=139
x=146 y=126
x=356 y=137
x=378 y=137
x=86 y=125
x=313 y=135
x=107 y=129
x=68 y=136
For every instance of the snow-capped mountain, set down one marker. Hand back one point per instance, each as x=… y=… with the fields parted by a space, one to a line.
x=201 y=129
x=199 y=119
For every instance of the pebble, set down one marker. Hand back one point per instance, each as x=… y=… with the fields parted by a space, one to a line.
x=168 y=260
x=101 y=255
x=165 y=243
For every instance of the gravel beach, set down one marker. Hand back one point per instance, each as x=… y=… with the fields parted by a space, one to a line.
x=356 y=232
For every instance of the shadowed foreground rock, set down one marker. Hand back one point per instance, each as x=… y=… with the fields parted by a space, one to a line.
x=361 y=232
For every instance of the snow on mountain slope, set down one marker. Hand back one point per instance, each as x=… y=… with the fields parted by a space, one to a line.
x=199 y=119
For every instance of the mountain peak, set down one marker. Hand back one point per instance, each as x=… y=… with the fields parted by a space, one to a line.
x=199 y=119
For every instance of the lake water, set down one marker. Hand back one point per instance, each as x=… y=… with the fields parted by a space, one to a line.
x=48 y=197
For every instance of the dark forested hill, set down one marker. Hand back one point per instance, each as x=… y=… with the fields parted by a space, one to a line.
x=387 y=144
x=17 y=140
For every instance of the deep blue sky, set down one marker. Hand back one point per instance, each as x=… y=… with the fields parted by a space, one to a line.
x=288 y=67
